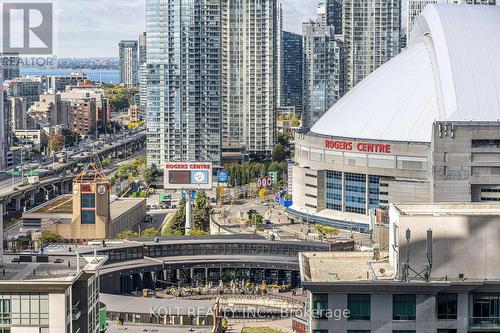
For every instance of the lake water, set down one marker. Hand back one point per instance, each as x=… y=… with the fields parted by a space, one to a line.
x=97 y=75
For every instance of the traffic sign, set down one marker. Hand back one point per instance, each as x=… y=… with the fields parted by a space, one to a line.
x=264 y=182
x=222 y=176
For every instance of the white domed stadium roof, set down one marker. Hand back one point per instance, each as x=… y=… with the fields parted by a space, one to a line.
x=449 y=72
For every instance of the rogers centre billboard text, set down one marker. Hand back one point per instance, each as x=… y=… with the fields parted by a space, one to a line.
x=360 y=146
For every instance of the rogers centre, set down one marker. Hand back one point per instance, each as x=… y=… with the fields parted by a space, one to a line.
x=424 y=127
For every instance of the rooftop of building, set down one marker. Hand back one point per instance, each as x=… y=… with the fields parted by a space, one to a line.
x=57 y=270
x=64 y=249
x=343 y=266
x=449 y=72
x=141 y=305
x=62 y=207
x=443 y=209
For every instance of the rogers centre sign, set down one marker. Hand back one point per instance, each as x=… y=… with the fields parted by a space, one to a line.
x=358 y=146
x=187 y=176
x=193 y=166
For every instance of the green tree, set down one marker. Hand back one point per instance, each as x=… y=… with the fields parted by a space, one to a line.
x=284 y=139
x=257 y=219
x=120 y=97
x=178 y=222
x=150 y=232
x=106 y=162
x=150 y=174
x=49 y=236
x=279 y=153
x=196 y=232
x=295 y=121
x=201 y=212
x=128 y=234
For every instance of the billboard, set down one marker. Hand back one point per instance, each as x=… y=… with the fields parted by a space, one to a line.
x=188 y=176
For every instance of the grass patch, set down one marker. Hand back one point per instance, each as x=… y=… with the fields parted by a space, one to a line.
x=259 y=330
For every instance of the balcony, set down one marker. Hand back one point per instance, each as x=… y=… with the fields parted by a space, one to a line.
x=484 y=323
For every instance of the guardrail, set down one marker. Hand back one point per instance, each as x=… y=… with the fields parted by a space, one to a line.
x=484 y=323
x=217 y=229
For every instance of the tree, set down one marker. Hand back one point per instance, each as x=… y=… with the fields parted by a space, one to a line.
x=128 y=234
x=70 y=138
x=201 y=212
x=284 y=139
x=56 y=143
x=106 y=162
x=257 y=219
x=178 y=221
x=151 y=232
x=120 y=97
x=49 y=236
x=295 y=122
x=150 y=174
x=279 y=153
x=197 y=232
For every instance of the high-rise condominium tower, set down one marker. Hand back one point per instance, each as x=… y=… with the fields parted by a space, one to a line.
x=129 y=67
x=183 y=80
x=143 y=81
x=324 y=70
x=371 y=30
x=249 y=73
x=291 y=71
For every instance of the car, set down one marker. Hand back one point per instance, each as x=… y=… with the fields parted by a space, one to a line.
x=148 y=207
x=58 y=261
x=148 y=219
x=267 y=222
x=16 y=260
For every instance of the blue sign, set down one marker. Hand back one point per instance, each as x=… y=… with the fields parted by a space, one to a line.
x=222 y=176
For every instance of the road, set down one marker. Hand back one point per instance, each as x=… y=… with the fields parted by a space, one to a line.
x=47 y=174
x=159 y=217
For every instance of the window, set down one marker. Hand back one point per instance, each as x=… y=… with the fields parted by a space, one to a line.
x=446 y=330
x=446 y=306
x=88 y=200
x=88 y=216
x=486 y=308
x=320 y=305
x=359 y=307
x=5 y=311
x=374 y=191
x=355 y=191
x=334 y=190
x=403 y=307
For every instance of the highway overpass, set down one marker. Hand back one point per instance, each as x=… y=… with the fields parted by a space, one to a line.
x=15 y=195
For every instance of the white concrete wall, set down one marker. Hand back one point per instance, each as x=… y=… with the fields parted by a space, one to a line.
x=474 y=240
x=57 y=313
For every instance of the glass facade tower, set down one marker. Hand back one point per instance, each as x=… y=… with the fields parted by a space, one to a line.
x=249 y=73
x=183 y=80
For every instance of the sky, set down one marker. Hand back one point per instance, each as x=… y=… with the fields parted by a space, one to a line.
x=93 y=28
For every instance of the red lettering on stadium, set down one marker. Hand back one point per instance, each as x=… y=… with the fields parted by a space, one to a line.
x=338 y=145
x=360 y=146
